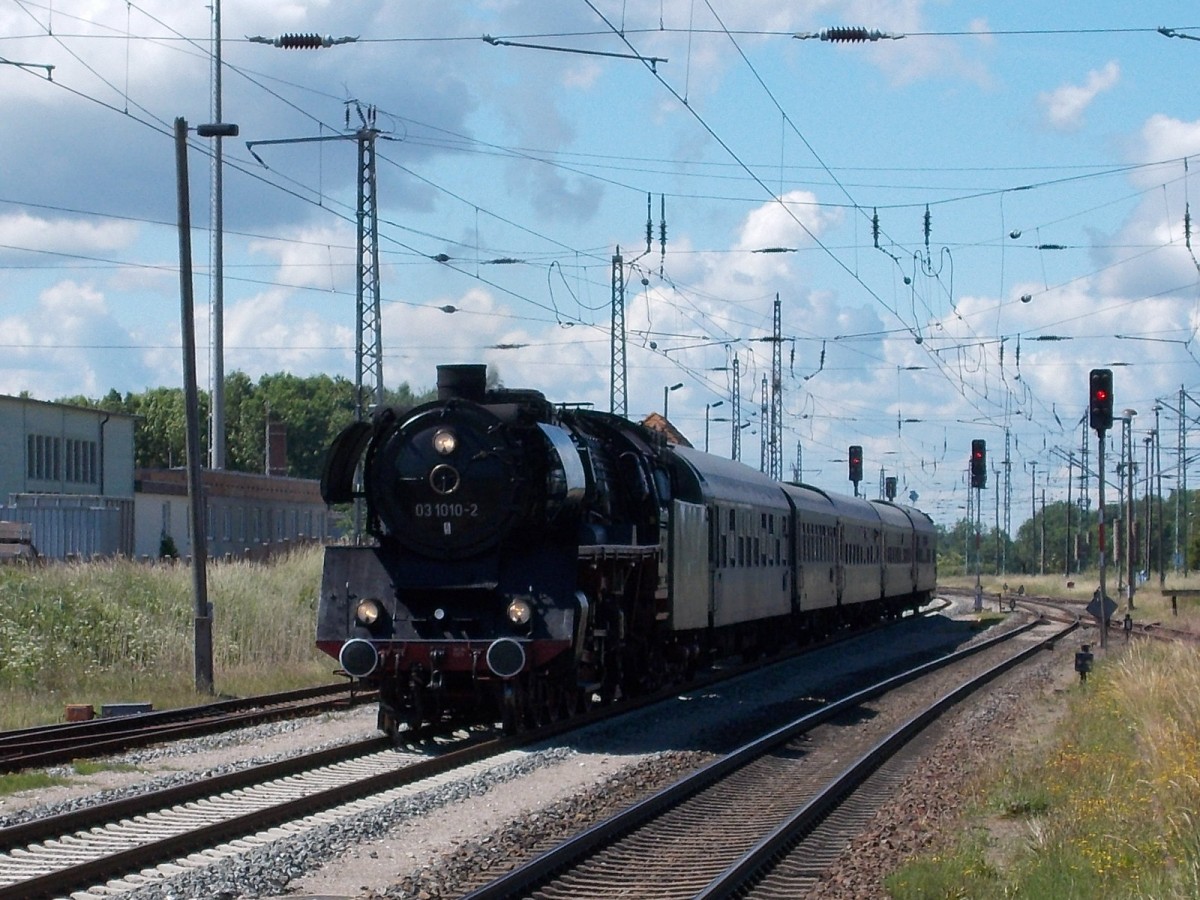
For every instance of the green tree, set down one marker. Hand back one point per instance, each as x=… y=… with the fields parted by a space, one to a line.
x=314 y=409
x=161 y=437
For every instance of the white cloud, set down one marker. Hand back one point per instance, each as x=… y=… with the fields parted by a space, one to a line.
x=793 y=220
x=70 y=343
x=26 y=232
x=1063 y=108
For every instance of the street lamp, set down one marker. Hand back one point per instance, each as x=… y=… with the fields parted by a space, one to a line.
x=218 y=130
x=667 y=397
x=707 y=407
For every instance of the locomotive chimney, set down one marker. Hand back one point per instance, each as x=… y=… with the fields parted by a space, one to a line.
x=467 y=381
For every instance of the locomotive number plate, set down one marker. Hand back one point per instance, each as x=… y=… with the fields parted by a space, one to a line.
x=445 y=510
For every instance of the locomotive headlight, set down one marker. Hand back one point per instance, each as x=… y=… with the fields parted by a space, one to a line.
x=519 y=612
x=367 y=612
x=444 y=442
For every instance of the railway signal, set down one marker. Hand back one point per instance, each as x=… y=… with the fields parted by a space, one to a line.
x=855 y=465
x=978 y=463
x=1100 y=416
x=1100 y=400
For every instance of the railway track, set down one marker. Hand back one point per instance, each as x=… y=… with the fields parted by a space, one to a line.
x=733 y=827
x=56 y=855
x=85 y=849
x=56 y=744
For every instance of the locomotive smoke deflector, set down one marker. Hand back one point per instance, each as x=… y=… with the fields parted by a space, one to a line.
x=571 y=492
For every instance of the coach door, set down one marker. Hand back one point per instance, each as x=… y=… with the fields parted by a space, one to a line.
x=690 y=554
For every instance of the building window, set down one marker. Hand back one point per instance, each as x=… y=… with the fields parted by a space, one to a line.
x=44 y=457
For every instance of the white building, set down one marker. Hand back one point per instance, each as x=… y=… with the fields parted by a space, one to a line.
x=248 y=516
x=67 y=471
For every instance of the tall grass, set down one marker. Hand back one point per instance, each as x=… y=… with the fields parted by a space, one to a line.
x=1150 y=602
x=119 y=630
x=1111 y=808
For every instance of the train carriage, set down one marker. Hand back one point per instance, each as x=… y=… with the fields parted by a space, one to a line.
x=897 y=551
x=745 y=545
x=814 y=549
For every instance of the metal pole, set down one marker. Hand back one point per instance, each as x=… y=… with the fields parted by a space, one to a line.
x=203 y=631
x=217 y=439
x=1103 y=588
x=1162 y=575
x=1042 y=563
x=978 y=528
x=1130 y=546
x=1070 y=484
x=1149 y=506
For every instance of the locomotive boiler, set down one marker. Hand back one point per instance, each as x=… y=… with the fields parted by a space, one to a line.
x=526 y=559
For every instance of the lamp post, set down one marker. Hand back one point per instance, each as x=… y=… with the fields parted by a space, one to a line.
x=707 y=407
x=667 y=398
x=218 y=130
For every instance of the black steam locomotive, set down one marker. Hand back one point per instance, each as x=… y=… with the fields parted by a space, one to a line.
x=529 y=559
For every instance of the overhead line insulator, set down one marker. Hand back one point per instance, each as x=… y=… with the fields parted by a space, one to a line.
x=848 y=34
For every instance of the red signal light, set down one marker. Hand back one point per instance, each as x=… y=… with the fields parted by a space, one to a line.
x=1100 y=407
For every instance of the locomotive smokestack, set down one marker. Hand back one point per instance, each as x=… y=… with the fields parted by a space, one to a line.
x=467 y=381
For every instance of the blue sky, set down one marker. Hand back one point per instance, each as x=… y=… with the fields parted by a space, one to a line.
x=1055 y=149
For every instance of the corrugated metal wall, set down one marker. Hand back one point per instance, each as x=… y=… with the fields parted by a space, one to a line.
x=74 y=526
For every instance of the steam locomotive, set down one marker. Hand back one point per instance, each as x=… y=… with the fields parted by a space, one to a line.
x=528 y=559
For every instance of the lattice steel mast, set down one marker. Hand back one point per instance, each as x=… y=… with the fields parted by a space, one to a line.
x=369 y=352
x=776 y=440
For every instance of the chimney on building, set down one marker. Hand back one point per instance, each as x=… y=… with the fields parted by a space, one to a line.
x=277 y=448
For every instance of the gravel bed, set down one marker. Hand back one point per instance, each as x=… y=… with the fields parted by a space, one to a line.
x=923 y=815
x=441 y=841
x=271 y=868
x=178 y=754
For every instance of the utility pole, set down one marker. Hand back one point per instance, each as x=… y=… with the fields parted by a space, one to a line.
x=1070 y=484
x=618 y=391
x=368 y=351
x=203 y=616
x=369 y=354
x=735 y=452
x=764 y=437
x=618 y=373
x=1181 y=542
x=1162 y=575
x=776 y=458
x=1042 y=563
x=1149 y=441
x=1007 y=499
x=1130 y=468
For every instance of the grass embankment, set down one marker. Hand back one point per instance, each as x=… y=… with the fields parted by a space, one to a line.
x=118 y=631
x=1107 y=806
